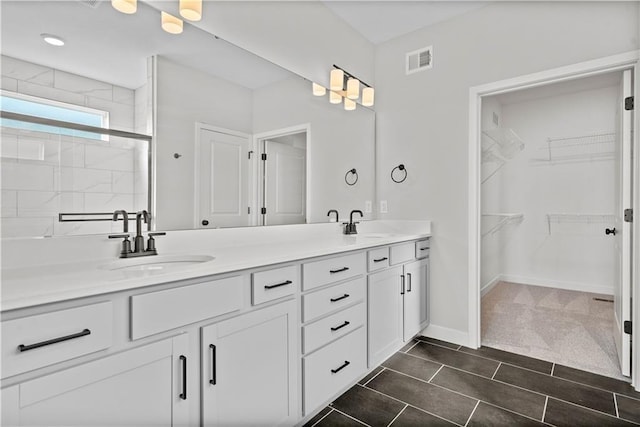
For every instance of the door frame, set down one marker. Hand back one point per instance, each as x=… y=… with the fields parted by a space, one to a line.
x=255 y=197
x=196 y=166
x=628 y=60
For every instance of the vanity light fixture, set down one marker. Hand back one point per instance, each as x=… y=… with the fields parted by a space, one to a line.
x=318 y=90
x=171 y=24
x=345 y=85
x=125 y=6
x=367 y=96
x=336 y=82
x=191 y=9
x=349 y=104
x=52 y=40
x=353 y=88
x=335 y=98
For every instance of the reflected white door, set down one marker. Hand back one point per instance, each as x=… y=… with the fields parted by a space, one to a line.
x=284 y=184
x=222 y=190
x=622 y=294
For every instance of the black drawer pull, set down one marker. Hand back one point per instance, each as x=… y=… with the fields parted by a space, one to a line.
x=277 y=285
x=23 y=347
x=425 y=249
x=346 y=323
x=213 y=365
x=380 y=259
x=183 y=395
x=340 y=270
x=344 y=365
x=408 y=282
x=402 y=284
x=339 y=298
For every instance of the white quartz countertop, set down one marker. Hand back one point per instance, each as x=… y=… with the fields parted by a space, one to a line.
x=65 y=277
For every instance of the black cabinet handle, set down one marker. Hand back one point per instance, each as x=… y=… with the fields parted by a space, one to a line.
x=339 y=298
x=23 y=347
x=344 y=365
x=340 y=270
x=346 y=323
x=285 y=283
x=424 y=249
x=380 y=259
x=213 y=365
x=408 y=282
x=183 y=395
x=402 y=284
x=608 y=231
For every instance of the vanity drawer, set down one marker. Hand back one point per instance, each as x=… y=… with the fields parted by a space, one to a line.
x=33 y=342
x=328 y=329
x=422 y=248
x=319 y=303
x=402 y=253
x=331 y=369
x=377 y=259
x=273 y=284
x=164 y=310
x=329 y=270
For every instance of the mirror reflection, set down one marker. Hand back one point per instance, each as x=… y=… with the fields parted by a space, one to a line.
x=212 y=108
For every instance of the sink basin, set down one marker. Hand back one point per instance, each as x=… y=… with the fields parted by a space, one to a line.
x=157 y=263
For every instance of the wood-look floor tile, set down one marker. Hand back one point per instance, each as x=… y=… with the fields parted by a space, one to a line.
x=509 y=397
x=488 y=415
x=412 y=417
x=629 y=409
x=457 y=359
x=368 y=406
x=436 y=400
x=563 y=414
x=411 y=365
x=579 y=394
x=511 y=358
x=336 y=419
x=370 y=375
x=595 y=380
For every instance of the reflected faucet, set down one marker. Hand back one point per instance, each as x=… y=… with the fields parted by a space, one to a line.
x=337 y=215
x=350 y=227
x=125 y=218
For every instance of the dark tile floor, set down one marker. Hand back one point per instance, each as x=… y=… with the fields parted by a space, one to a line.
x=432 y=382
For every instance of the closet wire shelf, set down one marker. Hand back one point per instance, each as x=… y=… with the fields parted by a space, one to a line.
x=498 y=146
x=494 y=222
x=577 y=223
x=597 y=146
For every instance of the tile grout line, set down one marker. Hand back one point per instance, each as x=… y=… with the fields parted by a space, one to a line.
x=471 y=414
x=615 y=402
x=411 y=348
x=544 y=411
x=349 y=416
x=372 y=378
x=434 y=375
x=323 y=417
x=494 y=374
x=399 y=413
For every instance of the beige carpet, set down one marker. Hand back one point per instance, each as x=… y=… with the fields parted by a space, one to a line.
x=565 y=327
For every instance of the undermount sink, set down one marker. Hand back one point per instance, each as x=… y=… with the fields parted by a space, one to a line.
x=157 y=263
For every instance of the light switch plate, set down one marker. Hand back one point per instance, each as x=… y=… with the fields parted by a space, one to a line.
x=367 y=206
x=383 y=206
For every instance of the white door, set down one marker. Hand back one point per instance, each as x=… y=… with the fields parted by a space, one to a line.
x=284 y=184
x=222 y=181
x=622 y=294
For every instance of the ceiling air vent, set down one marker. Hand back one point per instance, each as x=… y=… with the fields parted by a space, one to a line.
x=91 y=3
x=420 y=60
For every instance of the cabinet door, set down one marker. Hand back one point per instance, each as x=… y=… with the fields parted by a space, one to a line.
x=384 y=314
x=133 y=388
x=249 y=369
x=416 y=313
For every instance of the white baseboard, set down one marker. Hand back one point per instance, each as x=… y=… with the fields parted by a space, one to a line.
x=446 y=334
x=570 y=286
x=486 y=288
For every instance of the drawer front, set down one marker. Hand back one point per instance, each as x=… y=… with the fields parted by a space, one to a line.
x=377 y=259
x=36 y=341
x=402 y=253
x=164 y=310
x=323 y=272
x=332 y=327
x=273 y=284
x=422 y=248
x=322 y=302
x=328 y=371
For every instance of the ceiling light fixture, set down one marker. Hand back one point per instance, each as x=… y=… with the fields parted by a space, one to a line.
x=52 y=40
x=191 y=9
x=125 y=6
x=343 y=84
x=318 y=90
x=171 y=24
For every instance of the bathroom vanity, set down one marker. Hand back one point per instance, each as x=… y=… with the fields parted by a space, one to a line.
x=257 y=326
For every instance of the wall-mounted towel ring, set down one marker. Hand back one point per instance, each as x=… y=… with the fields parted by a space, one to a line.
x=351 y=177
x=401 y=168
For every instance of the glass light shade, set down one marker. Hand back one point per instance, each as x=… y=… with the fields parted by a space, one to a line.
x=367 y=96
x=335 y=98
x=191 y=9
x=171 y=24
x=349 y=104
x=125 y=6
x=318 y=90
x=353 y=88
x=337 y=79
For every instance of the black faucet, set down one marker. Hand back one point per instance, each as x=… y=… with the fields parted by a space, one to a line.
x=138 y=242
x=350 y=227
x=336 y=212
x=125 y=218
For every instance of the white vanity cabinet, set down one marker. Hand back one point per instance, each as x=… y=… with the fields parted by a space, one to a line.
x=248 y=368
x=142 y=386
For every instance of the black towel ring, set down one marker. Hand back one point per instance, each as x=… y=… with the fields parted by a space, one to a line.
x=354 y=177
x=401 y=168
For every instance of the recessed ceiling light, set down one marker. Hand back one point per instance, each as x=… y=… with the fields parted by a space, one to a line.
x=52 y=40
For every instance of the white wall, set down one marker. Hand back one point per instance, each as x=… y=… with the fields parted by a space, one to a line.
x=339 y=141
x=573 y=255
x=422 y=119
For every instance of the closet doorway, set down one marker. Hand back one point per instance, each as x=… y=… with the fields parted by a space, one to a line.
x=554 y=249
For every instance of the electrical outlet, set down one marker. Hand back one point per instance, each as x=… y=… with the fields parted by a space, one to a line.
x=367 y=206
x=383 y=206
